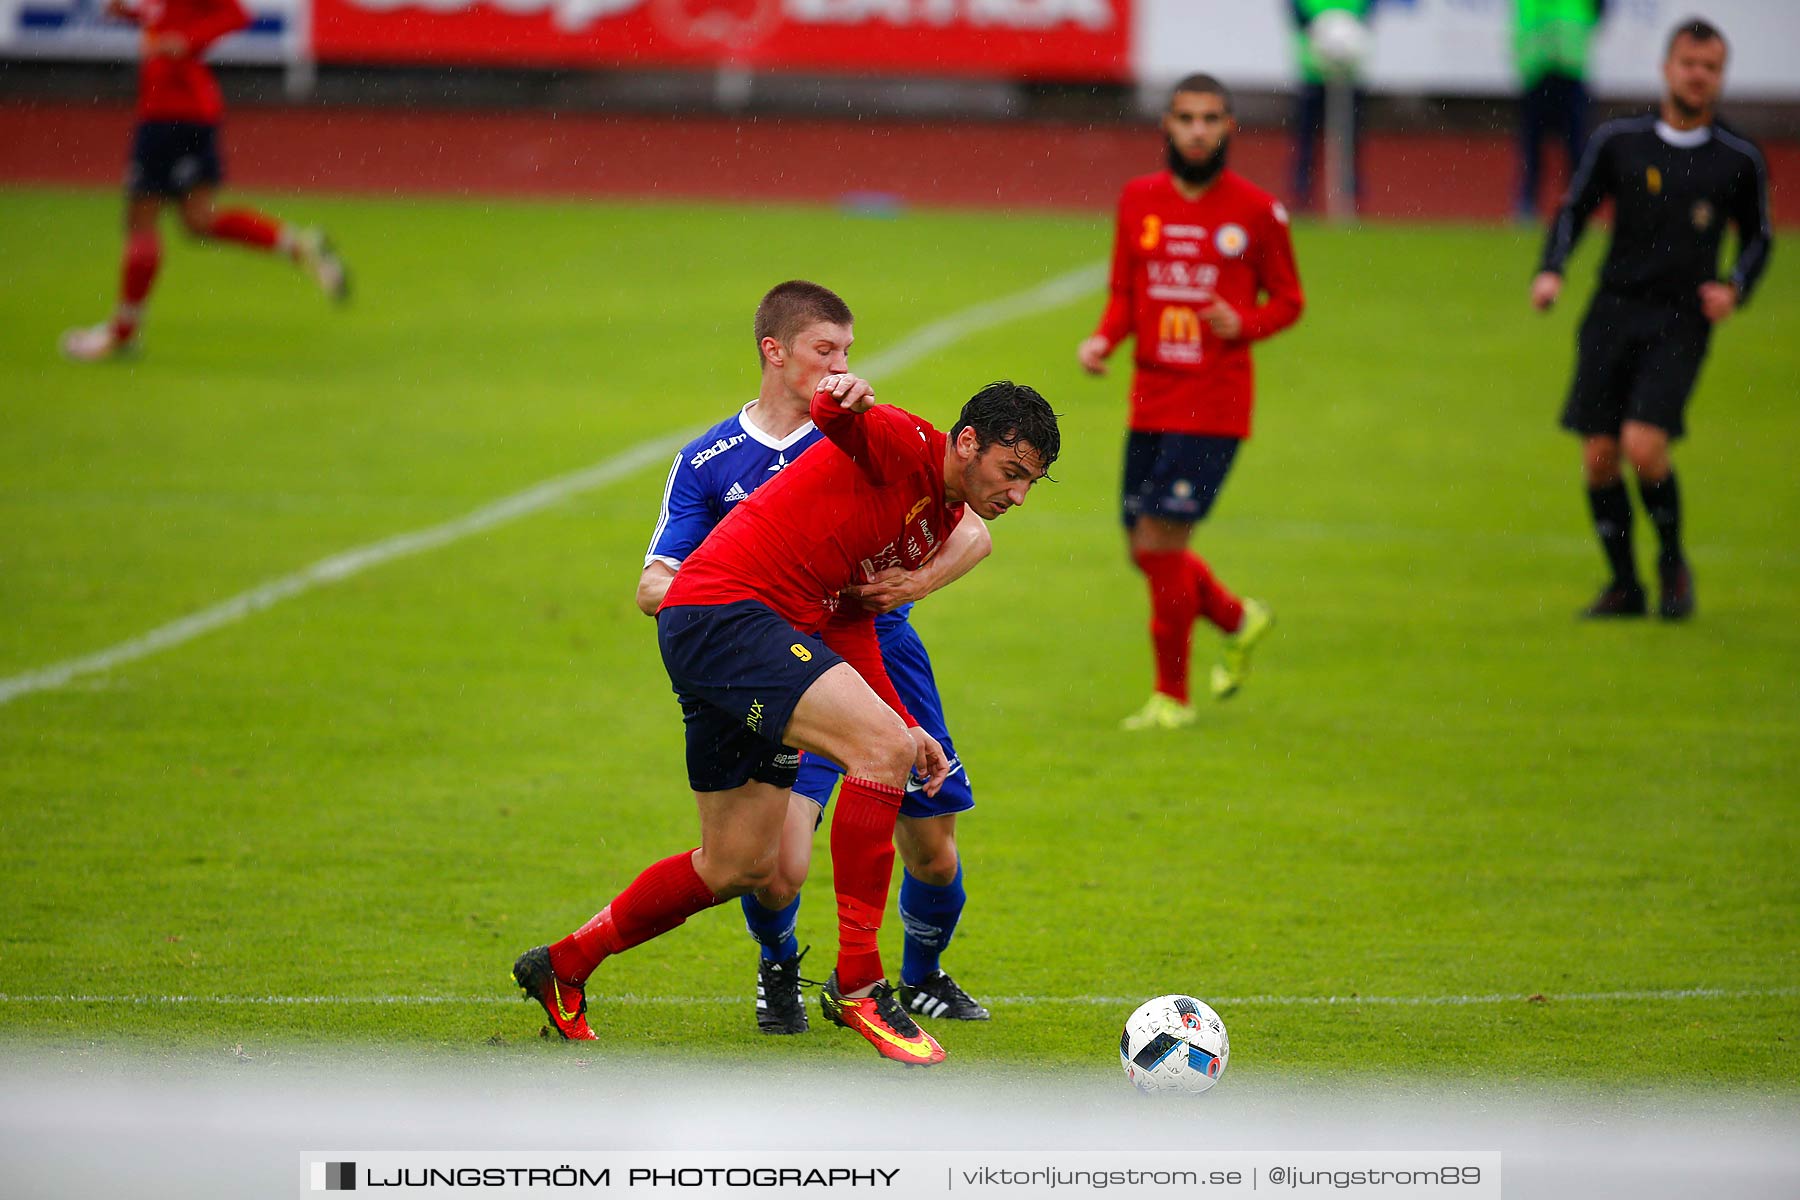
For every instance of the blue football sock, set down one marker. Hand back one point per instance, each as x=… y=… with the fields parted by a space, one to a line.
x=930 y=915
x=773 y=931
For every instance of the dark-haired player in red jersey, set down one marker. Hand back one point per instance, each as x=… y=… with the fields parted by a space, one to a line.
x=175 y=159
x=1202 y=267
x=768 y=658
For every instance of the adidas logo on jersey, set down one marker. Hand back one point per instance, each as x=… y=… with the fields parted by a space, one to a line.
x=736 y=493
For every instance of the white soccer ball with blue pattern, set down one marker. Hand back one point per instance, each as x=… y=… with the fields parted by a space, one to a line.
x=1174 y=1044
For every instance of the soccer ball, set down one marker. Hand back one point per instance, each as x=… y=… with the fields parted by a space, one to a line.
x=1339 y=41
x=1174 y=1044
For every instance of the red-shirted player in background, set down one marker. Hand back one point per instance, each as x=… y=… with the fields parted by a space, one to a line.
x=1202 y=267
x=175 y=157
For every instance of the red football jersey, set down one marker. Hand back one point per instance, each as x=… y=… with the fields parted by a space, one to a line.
x=868 y=497
x=1172 y=257
x=181 y=87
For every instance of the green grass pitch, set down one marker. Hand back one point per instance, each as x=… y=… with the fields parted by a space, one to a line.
x=1437 y=788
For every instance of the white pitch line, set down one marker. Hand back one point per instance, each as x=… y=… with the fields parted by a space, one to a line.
x=1623 y=997
x=1051 y=294
x=926 y=340
x=338 y=568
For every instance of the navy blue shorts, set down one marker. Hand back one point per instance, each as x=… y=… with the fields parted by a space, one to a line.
x=739 y=670
x=1636 y=360
x=1176 y=476
x=172 y=158
x=910 y=668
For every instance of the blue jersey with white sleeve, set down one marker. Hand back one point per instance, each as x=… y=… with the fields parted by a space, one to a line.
x=716 y=470
x=711 y=474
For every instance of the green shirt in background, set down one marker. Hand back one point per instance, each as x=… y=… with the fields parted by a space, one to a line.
x=1551 y=37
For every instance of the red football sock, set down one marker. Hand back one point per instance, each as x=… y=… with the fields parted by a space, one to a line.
x=247 y=226
x=862 y=860
x=1174 y=602
x=1216 y=603
x=662 y=897
x=143 y=254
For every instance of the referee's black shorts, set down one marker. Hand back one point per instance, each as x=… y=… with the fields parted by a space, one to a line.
x=1636 y=360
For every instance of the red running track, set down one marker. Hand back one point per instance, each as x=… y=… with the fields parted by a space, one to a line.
x=1025 y=165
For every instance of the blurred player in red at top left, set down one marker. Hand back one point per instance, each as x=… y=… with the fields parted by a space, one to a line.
x=175 y=159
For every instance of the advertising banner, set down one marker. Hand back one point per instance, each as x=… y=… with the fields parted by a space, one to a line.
x=81 y=30
x=1461 y=47
x=1008 y=39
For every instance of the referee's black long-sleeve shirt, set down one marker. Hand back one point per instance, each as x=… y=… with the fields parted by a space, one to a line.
x=1673 y=191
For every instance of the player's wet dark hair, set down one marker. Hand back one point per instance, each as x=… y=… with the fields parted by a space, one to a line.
x=1697 y=29
x=1010 y=413
x=1202 y=84
x=790 y=307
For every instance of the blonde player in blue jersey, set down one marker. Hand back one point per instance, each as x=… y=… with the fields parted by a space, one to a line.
x=803 y=334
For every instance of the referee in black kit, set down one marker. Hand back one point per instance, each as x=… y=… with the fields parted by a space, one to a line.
x=1675 y=178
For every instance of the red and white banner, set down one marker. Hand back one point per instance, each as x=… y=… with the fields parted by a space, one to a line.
x=1012 y=39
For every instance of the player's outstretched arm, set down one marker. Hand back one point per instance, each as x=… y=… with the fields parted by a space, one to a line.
x=881 y=443
x=968 y=544
x=852 y=634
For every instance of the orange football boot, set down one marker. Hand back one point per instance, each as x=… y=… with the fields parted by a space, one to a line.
x=879 y=1018
x=533 y=973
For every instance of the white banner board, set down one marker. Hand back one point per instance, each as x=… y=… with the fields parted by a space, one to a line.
x=1463 y=47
